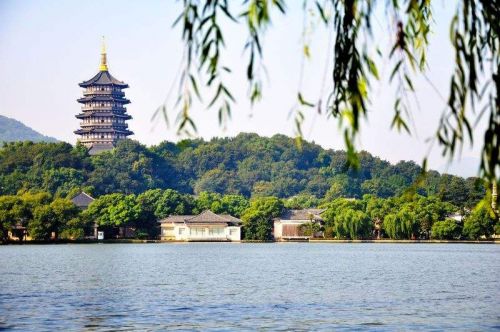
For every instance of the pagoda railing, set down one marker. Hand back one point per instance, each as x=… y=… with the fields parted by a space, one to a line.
x=98 y=140
x=103 y=124
x=104 y=108
x=104 y=93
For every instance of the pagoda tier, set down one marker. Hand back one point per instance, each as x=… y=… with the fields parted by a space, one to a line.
x=99 y=131
x=110 y=98
x=103 y=113
x=103 y=77
x=91 y=114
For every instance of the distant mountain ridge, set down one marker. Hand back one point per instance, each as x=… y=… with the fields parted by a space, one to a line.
x=12 y=130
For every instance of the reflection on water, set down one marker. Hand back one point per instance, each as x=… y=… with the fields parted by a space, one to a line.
x=227 y=286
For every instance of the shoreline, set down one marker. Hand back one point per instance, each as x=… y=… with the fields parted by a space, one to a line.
x=137 y=241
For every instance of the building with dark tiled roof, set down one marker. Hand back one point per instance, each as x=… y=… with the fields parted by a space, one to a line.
x=289 y=225
x=104 y=116
x=206 y=226
x=82 y=200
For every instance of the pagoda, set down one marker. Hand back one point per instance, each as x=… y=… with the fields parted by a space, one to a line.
x=104 y=116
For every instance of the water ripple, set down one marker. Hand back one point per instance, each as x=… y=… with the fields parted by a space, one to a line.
x=227 y=287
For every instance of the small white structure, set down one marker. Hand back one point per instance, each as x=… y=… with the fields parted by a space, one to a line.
x=207 y=226
x=457 y=216
x=289 y=225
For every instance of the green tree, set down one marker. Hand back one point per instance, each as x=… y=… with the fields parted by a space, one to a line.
x=246 y=164
x=343 y=186
x=74 y=229
x=480 y=222
x=233 y=205
x=352 y=224
x=60 y=181
x=43 y=222
x=216 y=180
x=98 y=210
x=448 y=229
x=301 y=201
x=401 y=224
x=148 y=202
x=428 y=210
x=172 y=202
x=310 y=228
x=49 y=220
x=126 y=212
x=12 y=211
x=131 y=169
x=208 y=201
x=258 y=218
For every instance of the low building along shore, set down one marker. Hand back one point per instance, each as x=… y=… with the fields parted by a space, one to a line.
x=290 y=225
x=206 y=226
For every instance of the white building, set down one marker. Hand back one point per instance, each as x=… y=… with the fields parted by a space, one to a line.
x=289 y=225
x=207 y=226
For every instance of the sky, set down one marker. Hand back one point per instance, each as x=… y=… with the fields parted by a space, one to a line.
x=48 y=47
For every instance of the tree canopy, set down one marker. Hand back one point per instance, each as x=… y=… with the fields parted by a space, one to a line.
x=246 y=165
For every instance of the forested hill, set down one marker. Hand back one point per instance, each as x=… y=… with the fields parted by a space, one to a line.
x=13 y=131
x=246 y=164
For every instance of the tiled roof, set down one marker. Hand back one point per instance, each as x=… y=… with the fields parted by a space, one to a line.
x=231 y=218
x=82 y=199
x=178 y=218
x=103 y=98
x=113 y=129
x=304 y=214
x=206 y=216
x=88 y=114
x=103 y=78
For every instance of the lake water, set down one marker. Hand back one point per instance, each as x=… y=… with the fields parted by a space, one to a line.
x=230 y=286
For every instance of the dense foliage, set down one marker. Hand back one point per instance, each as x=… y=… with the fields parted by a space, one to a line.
x=246 y=165
x=248 y=176
x=406 y=217
x=258 y=218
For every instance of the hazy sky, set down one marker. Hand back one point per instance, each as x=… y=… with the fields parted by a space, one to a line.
x=48 y=47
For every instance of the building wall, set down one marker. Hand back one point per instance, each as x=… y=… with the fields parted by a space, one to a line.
x=183 y=232
x=288 y=229
x=277 y=229
x=233 y=233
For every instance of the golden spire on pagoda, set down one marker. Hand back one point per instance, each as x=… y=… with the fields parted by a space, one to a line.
x=104 y=63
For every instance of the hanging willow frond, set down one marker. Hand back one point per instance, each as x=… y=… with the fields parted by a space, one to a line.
x=475 y=32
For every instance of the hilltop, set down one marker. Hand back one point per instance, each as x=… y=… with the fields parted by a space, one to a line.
x=12 y=130
x=247 y=165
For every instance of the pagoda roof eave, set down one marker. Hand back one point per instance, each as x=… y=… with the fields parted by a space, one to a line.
x=90 y=113
x=103 y=78
x=103 y=130
x=103 y=98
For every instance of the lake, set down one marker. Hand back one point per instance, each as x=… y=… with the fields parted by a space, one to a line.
x=232 y=286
